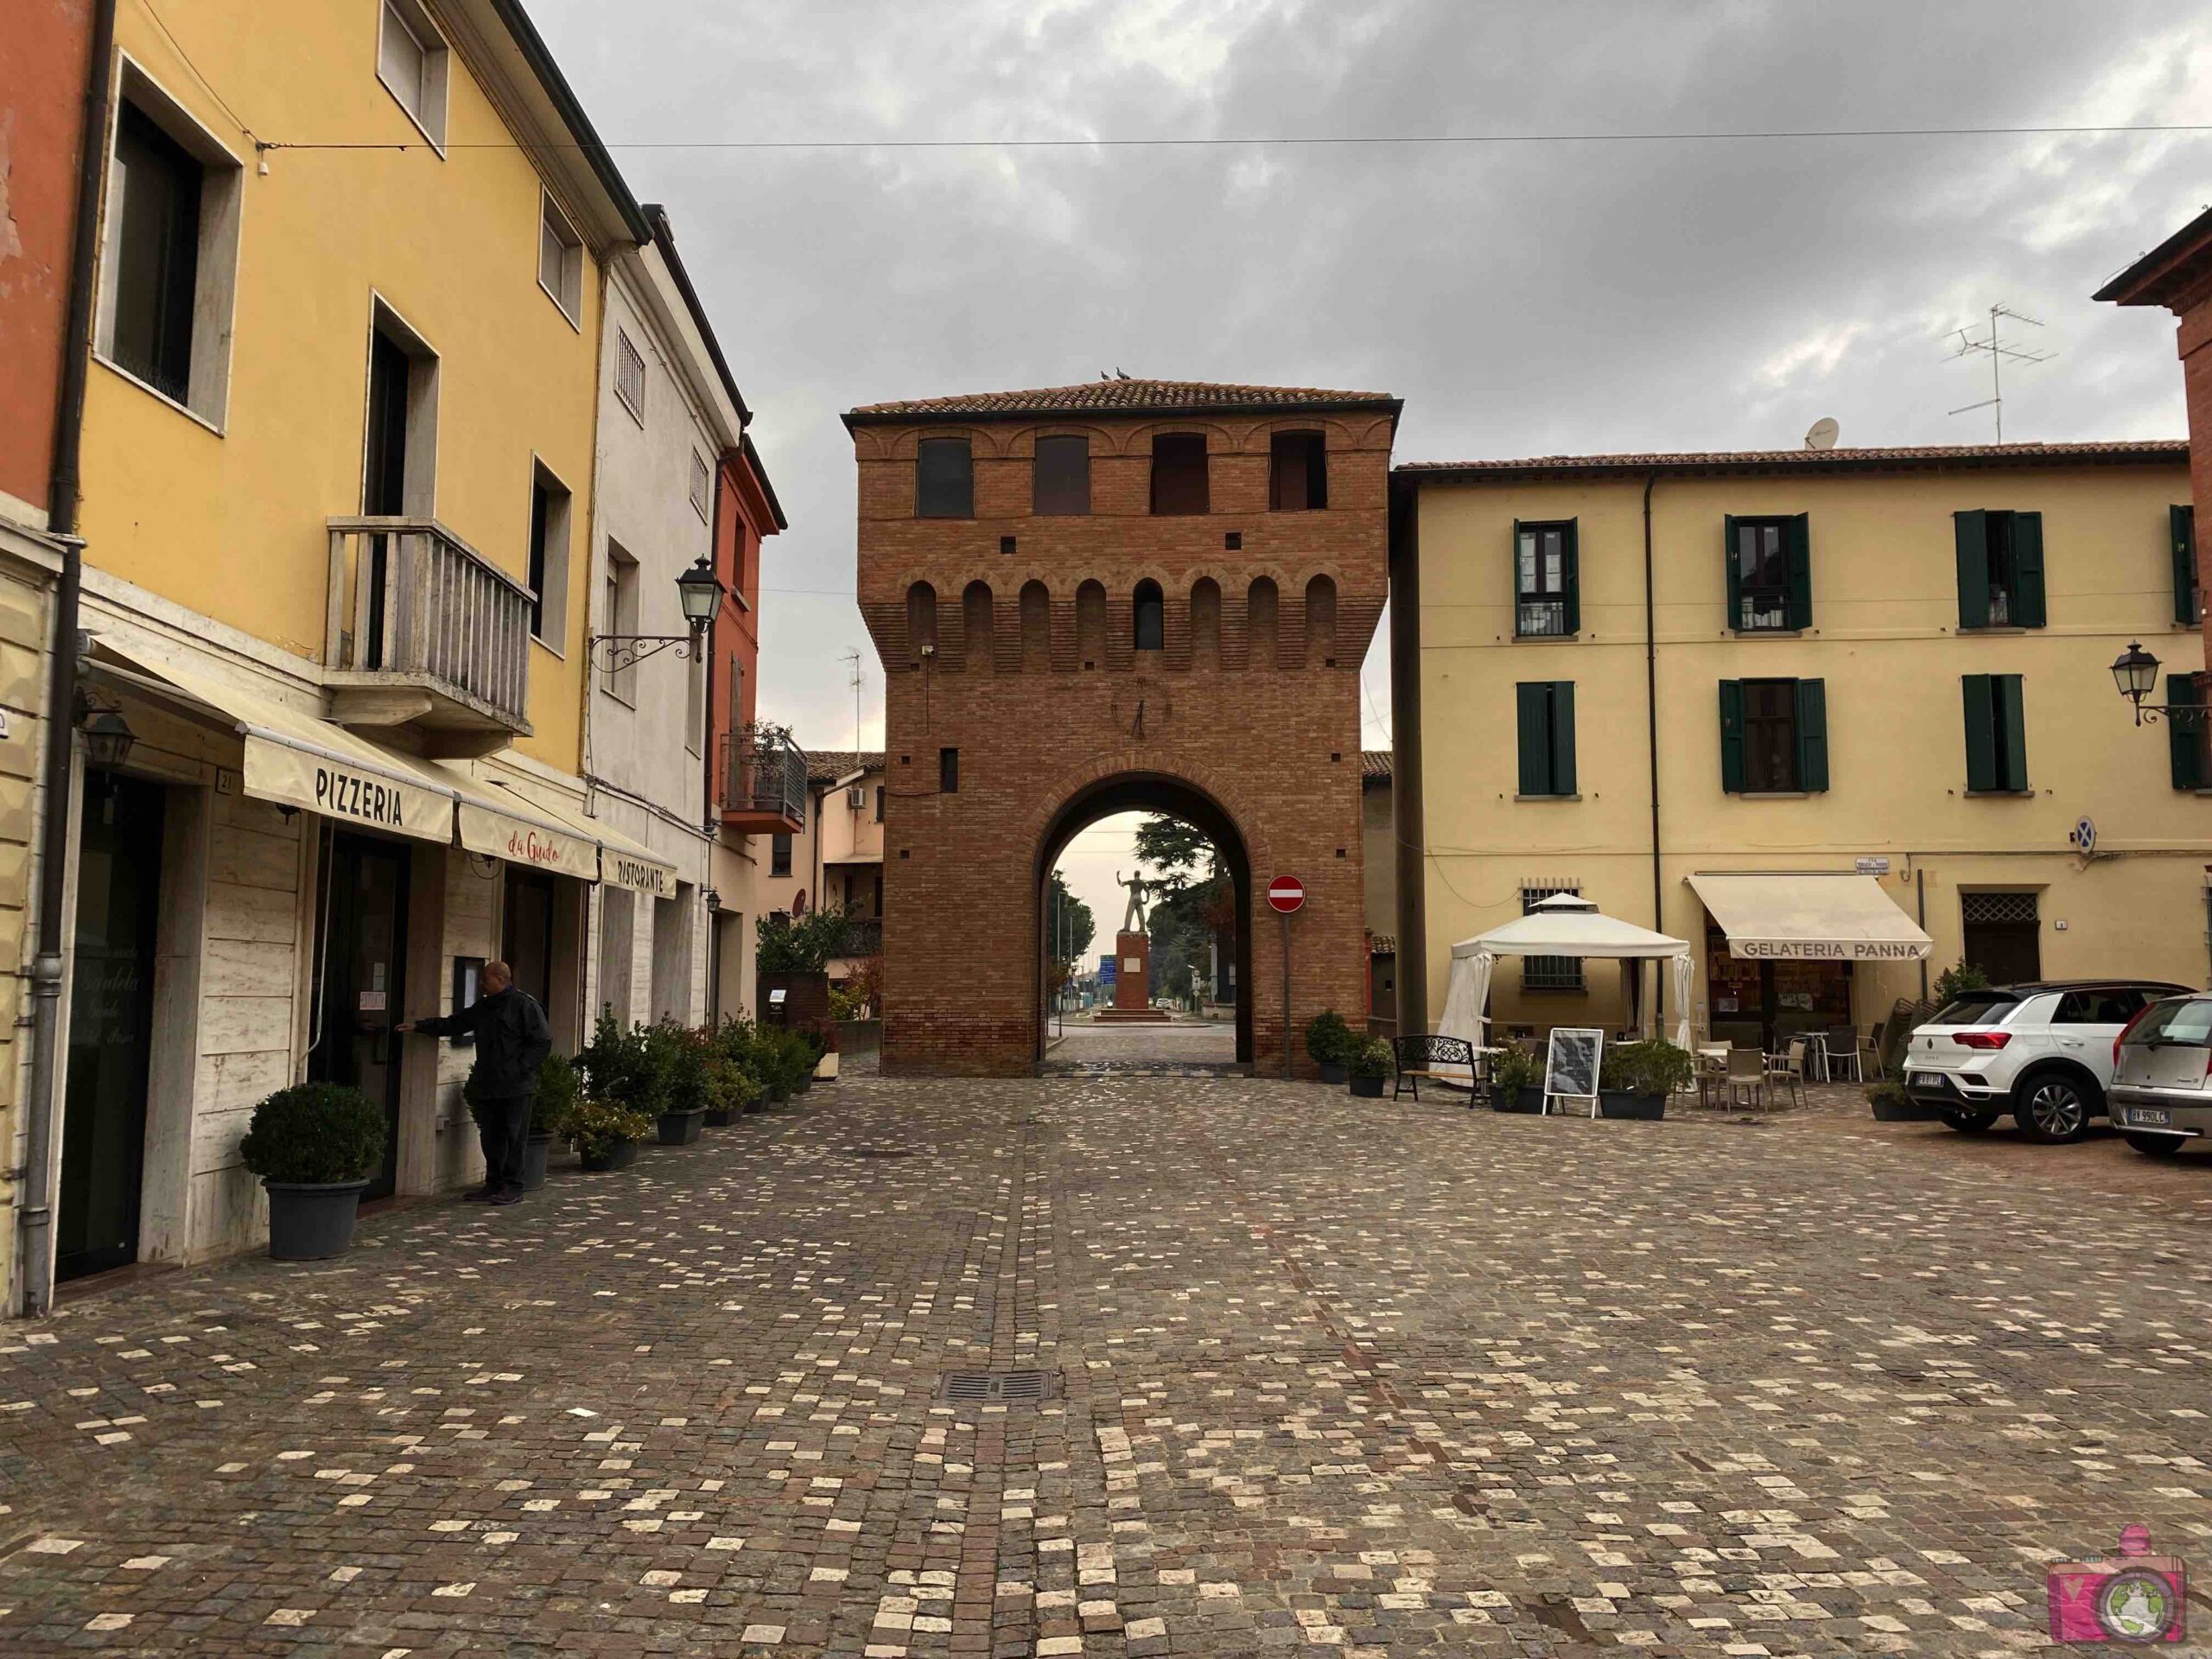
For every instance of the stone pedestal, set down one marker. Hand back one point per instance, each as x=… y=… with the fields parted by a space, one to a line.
x=1132 y=981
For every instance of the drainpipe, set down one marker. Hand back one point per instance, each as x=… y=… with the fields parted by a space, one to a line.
x=1651 y=723
x=35 y=1213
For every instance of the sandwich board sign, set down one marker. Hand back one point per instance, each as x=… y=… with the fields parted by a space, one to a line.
x=1571 y=1066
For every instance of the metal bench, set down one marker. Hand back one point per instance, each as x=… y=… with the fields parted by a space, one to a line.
x=1420 y=1057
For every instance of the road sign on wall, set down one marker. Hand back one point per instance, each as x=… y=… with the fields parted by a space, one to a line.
x=1286 y=893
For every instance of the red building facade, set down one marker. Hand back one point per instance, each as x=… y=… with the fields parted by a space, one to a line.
x=1131 y=595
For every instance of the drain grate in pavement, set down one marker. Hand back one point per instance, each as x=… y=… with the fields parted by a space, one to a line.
x=996 y=1388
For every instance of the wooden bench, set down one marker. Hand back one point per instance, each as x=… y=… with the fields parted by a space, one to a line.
x=1420 y=1057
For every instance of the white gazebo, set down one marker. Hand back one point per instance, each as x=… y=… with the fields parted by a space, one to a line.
x=1566 y=924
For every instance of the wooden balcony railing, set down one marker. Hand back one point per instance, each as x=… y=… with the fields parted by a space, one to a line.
x=423 y=629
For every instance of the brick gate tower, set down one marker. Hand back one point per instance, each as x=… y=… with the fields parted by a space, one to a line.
x=1131 y=595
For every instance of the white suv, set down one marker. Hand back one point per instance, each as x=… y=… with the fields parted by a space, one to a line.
x=2043 y=1052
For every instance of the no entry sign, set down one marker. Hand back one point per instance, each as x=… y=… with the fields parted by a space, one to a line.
x=1286 y=893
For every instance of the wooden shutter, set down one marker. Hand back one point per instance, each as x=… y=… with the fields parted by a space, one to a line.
x=1732 y=736
x=1812 y=735
x=1570 y=557
x=1532 y=702
x=2028 y=609
x=2185 y=742
x=1981 y=728
x=2007 y=689
x=2181 y=524
x=1731 y=572
x=1971 y=530
x=1563 y=737
x=1797 y=547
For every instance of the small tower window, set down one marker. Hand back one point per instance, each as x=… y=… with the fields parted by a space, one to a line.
x=1151 y=617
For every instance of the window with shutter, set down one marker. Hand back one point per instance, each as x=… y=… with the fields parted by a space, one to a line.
x=1732 y=736
x=703 y=487
x=2001 y=569
x=1760 y=572
x=1547 y=585
x=1812 y=735
x=1996 y=733
x=630 y=376
x=2181 y=525
x=1544 y=715
x=2185 y=739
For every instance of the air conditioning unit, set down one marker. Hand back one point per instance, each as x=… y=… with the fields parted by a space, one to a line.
x=856 y=797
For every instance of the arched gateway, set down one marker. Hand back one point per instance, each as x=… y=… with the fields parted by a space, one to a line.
x=1159 y=596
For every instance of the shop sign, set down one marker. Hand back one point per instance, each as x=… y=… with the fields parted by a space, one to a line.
x=277 y=771
x=639 y=874
x=1873 y=866
x=520 y=842
x=1826 y=949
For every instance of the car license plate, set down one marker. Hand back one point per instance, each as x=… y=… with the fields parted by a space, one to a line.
x=2150 y=1115
x=1920 y=1080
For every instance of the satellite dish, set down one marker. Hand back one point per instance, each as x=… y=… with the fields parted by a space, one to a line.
x=1823 y=435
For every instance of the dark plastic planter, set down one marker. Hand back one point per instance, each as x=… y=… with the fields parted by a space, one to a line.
x=1529 y=1100
x=620 y=1155
x=720 y=1117
x=680 y=1128
x=1618 y=1103
x=312 y=1222
x=1368 y=1088
x=777 y=1095
x=804 y=1084
x=1335 y=1071
x=534 y=1151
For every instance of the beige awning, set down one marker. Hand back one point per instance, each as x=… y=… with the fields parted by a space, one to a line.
x=497 y=819
x=297 y=759
x=1820 y=918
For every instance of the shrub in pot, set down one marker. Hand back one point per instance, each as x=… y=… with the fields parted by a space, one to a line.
x=679 y=1059
x=550 y=1103
x=606 y=1133
x=1516 y=1080
x=1328 y=1044
x=1370 y=1065
x=315 y=1146
x=728 y=1089
x=1892 y=1105
x=1634 y=1079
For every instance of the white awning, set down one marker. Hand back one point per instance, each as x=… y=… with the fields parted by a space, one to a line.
x=1799 y=918
x=1568 y=925
x=500 y=820
x=298 y=760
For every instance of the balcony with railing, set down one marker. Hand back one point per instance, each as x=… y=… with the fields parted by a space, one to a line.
x=424 y=631
x=861 y=938
x=1538 y=618
x=763 y=785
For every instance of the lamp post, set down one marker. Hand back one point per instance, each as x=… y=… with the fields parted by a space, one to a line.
x=700 y=592
x=2135 y=671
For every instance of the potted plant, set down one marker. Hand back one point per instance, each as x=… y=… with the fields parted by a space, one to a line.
x=1892 y=1105
x=824 y=1034
x=679 y=1064
x=550 y=1103
x=1516 y=1080
x=805 y=1049
x=1635 y=1078
x=1369 y=1064
x=314 y=1145
x=606 y=1133
x=1328 y=1044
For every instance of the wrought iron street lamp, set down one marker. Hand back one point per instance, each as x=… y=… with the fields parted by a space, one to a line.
x=700 y=592
x=2135 y=671
x=108 y=736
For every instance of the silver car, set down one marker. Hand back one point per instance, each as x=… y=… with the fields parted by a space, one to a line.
x=2162 y=1075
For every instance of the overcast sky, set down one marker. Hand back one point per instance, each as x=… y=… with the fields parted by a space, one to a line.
x=1523 y=299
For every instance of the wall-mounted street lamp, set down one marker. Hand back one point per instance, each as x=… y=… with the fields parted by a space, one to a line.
x=2135 y=671
x=108 y=736
x=700 y=592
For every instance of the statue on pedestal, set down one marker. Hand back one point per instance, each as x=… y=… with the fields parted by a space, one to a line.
x=1133 y=921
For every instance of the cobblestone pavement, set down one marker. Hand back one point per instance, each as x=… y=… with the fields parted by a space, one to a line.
x=1331 y=1377
x=1181 y=1042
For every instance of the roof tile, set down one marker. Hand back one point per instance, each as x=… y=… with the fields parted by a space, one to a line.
x=1135 y=397
x=2145 y=451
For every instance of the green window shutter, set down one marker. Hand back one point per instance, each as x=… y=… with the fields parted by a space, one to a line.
x=2182 y=524
x=1981 y=728
x=1563 y=737
x=2028 y=609
x=1532 y=700
x=1570 y=555
x=1732 y=736
x=1972 y=531
x=1797 y=544
x=2007 y=688
x=1732 y=573
x=2184 y=744
x=1513 y=564
x=1812 y=735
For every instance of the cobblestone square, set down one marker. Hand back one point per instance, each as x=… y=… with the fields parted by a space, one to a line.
x=1326 y=1377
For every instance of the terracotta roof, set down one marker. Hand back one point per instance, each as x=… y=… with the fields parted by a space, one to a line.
x=1117 y=396
x=827 y=766
x=2172 y=274
x=1374 y=763
x=1907 y=458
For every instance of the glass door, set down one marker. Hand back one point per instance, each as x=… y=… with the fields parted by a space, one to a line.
x=111 y=1025
x=364 y=963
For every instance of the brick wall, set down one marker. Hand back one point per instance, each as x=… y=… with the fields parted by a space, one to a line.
x=1059 y=702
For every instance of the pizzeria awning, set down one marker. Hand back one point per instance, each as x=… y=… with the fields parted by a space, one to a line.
x=298 y=760
x=498 y=820
x=1818 y=917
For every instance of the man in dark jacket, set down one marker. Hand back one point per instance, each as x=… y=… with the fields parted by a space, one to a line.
x=512 y=1040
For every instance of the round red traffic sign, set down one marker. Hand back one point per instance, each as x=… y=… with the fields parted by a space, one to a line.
x=1286 y=893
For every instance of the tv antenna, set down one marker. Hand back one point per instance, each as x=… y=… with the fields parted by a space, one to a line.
x=855 y=679
x=1997 y=351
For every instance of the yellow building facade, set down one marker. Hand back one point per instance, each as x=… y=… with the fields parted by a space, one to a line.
x=1882 y=677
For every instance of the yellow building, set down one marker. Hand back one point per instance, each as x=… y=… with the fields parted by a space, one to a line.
x=339 y=452
x=1872 y=688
